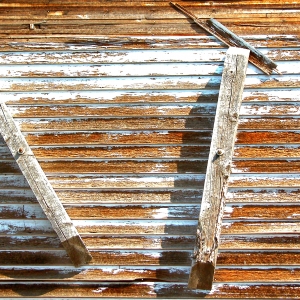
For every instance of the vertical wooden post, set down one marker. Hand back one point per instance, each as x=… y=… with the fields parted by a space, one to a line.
x=42 y=189
x=218 y=169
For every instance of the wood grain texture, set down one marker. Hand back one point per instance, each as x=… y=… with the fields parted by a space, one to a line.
x=159 y=96
x=218 y=169
x=220 y=31
x=135 y=212
x=149 y=289
x=63 y=59
x=19 y=43
x=43 y=191
x=123 y=77
x=143 y=83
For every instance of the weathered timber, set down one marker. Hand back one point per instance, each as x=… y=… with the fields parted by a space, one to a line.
x=143 y=83
x=257 y=275
x=259 y=227
x=42 y=189
x=195 y=109
x=260 y=242
x=95 y=63
x=260 y=257
x=153 y=211
x=164 y=290
x=178 y=274
x=232 y=40
x=218 y=169
x=135 y=42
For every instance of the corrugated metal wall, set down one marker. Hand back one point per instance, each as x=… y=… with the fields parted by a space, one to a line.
x=122 y=127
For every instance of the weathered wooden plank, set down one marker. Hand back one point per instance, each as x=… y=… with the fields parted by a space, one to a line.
x=186 y=181
x=143 y=83
x=120 y=227
x=262 y=212
x=160 y=137
x=137 y=273
x=113 y=13
x=96 y=4
x=28 y=245
x=113 y=97
x=237 y=18
x=9 y=167
x=265 y=180
x=114 y=56
x=178 y=166
x=266 y=166
x=259 y=242
x=138 y=69
x=183 y=151
x=13 y=182
x=46 y=242
x=269 y=123
x=229 y=38
x=117 y=110
x=17 y=195
x=257 y=275
x=159 y=96
x=42 y=189
x=115 y=273
x=159 y=195
x=264 y=195
x=120 y=110
x=151 y=27
x=139 y=42
x=34 y=257
x=276 y=109
x=125 y=166
x=267 y=151
x=182 y=181
x=271 y=95
x=180 y=195
x=126 y=152
x=136 y=212
x=254 y=227
x=259 y=258
x=148 y=289
x=155 y=123
x=121 y=137
x=88 y=212
x=218 y=169
x=40 y=24
x=268 y=137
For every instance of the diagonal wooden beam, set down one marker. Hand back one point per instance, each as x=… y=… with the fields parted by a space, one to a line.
x=218 y=169
x=42 y=189
x=222 y=33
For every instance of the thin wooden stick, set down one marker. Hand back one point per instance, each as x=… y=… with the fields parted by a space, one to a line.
x=42 y=189
x=222 y=33
x=218 y=169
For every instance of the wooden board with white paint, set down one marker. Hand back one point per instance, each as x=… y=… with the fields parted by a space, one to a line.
x=42 y=189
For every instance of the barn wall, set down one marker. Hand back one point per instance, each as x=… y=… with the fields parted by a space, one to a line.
x=117 y=101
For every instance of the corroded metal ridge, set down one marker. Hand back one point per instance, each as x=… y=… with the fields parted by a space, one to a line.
x=42 y=189
x=232 y=40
